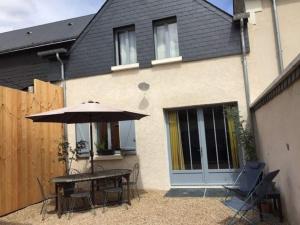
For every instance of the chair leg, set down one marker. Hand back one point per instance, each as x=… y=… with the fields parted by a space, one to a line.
x=71 y=207
x=137 y=191
x=104 y=203
x=42 y=207
x=92 y=205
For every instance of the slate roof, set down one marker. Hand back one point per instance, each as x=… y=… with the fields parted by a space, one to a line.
x=46 y=34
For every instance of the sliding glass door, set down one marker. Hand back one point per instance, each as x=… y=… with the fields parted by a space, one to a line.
x=203 y=146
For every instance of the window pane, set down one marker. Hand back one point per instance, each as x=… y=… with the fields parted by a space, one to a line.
x=194 y=138
x=83 y=134
x=173 y=38
x=210 y=138
x=161 y=48
x=127 y=135
x=183 y=126
x=221 y=138
x=115 y=137
x=132 y=47
x=124 y=48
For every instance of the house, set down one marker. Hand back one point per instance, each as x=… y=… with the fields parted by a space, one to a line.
x=19 y=60
x=179 y=62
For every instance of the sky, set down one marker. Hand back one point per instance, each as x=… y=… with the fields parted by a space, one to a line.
x=17 y=14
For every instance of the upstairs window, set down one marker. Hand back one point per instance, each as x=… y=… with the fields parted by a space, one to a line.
x=125 y=46
x=166 y=38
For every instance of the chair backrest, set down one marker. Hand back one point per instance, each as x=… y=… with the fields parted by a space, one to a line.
x=264 y=186
x=41 y=188
x=73 y=171
x=250 y=176
x=135 y=173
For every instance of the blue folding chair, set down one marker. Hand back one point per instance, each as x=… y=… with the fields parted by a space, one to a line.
x=246 y=180
x=241 y=207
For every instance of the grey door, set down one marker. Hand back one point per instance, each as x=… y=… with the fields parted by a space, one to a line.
x=205 y=153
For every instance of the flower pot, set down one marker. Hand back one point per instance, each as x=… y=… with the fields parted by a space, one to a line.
x=106 y=152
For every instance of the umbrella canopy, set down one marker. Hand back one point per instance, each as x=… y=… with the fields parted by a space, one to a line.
x=85 y=113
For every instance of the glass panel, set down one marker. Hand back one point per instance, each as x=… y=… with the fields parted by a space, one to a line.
x=160 y=36
x=115 y=137
x=221 y=138
x=124 y=48
x=132 y=47
x=183 y=125
x=83 y=134
x=173 y=38
x=194 y=139
x=127 y=135
x=210 y=138
x=232 y=138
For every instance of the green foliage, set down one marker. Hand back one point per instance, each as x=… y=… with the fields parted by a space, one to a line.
x=67 y=154
x=244 y=134
x=102 y=145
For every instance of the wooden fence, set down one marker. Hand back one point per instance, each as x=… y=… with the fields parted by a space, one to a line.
x=27 y=150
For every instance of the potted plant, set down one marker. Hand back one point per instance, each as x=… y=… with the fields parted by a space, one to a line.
x=244 y=134
x=102 y=148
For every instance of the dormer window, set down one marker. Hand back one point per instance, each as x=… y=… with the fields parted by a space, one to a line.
x=166 y=38
x=125 y=46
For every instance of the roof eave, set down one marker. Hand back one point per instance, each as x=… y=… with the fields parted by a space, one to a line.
x=37 y=46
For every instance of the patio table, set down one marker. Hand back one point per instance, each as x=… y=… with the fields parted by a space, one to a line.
x=76 y=178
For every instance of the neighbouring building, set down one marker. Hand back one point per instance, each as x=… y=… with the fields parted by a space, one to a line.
x=277 y=126
x=177 y=61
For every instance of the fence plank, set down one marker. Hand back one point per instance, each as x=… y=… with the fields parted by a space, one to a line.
x=27 y=150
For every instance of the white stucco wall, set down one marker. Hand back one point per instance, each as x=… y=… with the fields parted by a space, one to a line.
x=277 y=136
x=262 y=60
x=175 y=85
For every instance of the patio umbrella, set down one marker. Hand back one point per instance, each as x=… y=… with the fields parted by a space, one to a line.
x=88 y=112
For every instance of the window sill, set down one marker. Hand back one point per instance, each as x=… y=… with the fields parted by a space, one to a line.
x=125 y=67
x=108 y=157
x=166 y=61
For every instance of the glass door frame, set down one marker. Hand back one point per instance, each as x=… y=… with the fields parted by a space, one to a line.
x=204 y=176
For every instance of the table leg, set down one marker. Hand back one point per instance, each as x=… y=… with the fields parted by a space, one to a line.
x=56 y=197
x=127 y=177
x=59 y=201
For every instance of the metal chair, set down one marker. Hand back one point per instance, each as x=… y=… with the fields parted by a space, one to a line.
x=76 y=195
x=133 y=180
x=118 y=189
x=46 y=198
x=241 y=207
x=247 y=179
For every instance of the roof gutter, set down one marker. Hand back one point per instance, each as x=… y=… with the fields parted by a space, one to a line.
x=278 y=37
x=36 y=46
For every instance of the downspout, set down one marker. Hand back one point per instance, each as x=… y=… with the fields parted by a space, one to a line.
x=278 y=37
x=245 y=67
x=63 y=84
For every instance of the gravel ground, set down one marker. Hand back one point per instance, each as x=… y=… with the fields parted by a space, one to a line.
x=152 y=209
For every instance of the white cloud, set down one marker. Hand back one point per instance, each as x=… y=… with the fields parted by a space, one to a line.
x=16 y=14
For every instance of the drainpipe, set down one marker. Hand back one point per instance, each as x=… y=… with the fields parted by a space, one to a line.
x=63 y=84
x=278 y=37
x=245 y=66
x=50 y=54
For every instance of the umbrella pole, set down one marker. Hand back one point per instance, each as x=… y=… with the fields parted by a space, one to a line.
x=92 y=159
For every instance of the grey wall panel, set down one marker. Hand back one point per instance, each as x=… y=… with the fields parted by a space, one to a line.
x=203 y=32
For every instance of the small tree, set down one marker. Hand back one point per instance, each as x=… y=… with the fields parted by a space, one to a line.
x=67 y=154
x=244 y=134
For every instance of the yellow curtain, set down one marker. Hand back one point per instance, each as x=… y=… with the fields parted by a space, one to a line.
x=233 y=141
x=175 y=141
